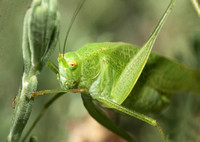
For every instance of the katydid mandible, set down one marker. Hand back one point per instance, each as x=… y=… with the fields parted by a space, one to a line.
x=115 y=74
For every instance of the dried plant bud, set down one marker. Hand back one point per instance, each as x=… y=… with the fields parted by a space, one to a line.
x=41 y=29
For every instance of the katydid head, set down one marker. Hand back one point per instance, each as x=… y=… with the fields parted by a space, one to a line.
x=69 y=63
x=69 y=70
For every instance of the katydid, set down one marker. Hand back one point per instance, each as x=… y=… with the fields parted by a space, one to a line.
x=124 y=77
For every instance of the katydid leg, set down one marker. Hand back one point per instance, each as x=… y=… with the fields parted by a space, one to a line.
x=44 y=92
x=134 y=68
x=135 y=114
x=53 y=67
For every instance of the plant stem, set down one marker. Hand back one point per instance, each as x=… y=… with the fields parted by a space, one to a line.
x=23 y=107
x=40 y=33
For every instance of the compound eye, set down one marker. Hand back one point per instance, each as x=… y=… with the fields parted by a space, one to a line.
x=72 y=65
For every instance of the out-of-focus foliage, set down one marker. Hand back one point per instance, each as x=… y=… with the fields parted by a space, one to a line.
x=129 y=21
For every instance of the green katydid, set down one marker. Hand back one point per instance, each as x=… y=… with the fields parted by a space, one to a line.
x=120 y=76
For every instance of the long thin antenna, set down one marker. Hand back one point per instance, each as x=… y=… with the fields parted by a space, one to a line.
x=80 y=5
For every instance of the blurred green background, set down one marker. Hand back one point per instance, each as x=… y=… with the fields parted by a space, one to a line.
x=130 y=21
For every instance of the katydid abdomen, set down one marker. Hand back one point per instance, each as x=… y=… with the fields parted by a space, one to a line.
x=99 y=65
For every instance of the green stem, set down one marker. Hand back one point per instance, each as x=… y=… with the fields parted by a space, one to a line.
x=23 y=107
x=40 y=33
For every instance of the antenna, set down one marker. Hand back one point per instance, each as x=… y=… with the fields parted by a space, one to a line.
x=80 y=5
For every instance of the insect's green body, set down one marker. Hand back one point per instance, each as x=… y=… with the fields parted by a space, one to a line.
x=125 y=78
x=101 y=64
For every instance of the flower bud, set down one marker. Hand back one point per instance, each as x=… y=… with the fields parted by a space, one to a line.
x=41 y=28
